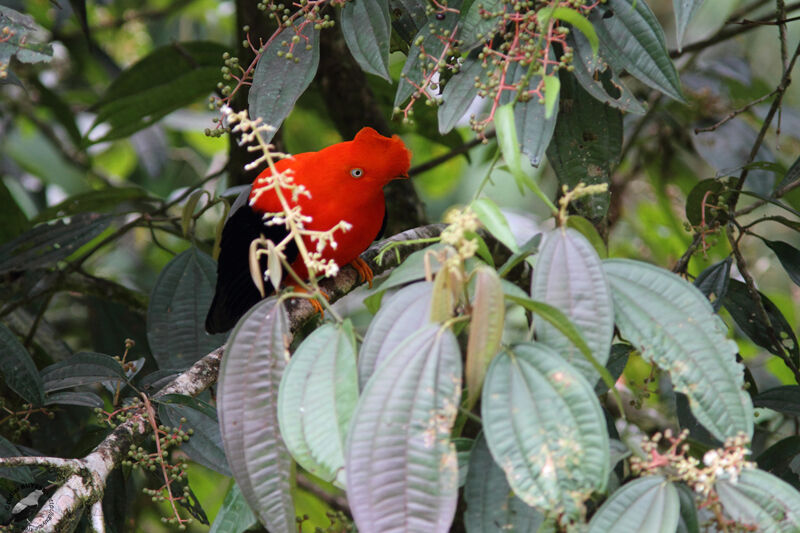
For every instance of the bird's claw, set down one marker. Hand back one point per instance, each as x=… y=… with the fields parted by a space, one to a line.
x=364 y=270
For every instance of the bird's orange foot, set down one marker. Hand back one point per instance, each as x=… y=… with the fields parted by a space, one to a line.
x=363 y=269
x=315 y=303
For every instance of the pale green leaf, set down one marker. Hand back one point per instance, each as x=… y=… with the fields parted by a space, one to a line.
x=645 y=505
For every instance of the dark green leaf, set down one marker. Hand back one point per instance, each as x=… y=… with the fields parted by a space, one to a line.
x=14 y=220
x=631 y=39
x=647 y=505
x=402 y=468
x=684 y=9
x=713 y=282
x=205 y=444
x=79 y=8
x=47 y=244
x=278 y=82
x=688 y=521
x=599 y=79
x=367 y=29
x=18 y=369
x=247 y=404
x=703 y=200
x=586 y=145
x=780 y=460
x=792 y=175
x=615 y=365
x=177 y=311
x=743 y=311
x=235 y=515
x=168 y=78
x=82 y=398
x=458 y=94
x=18 y=474
x=83 y=368
x=784 y=399
x=491 y=506
x=103 y=201
x=433 y=44
x=474 y=28
x=408 y=17
x=530 y=247
x=789 y=256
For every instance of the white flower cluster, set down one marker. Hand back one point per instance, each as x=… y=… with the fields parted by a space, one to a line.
x=460 y=222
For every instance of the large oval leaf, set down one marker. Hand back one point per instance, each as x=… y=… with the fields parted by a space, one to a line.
x=684 y=9
x=400 y=316
x=402 y=471
x=491 y=506
x=631 y=39
x=545 y=428
x=367 y=30
x=167 y=79
x=18 y=369
x=759 y=499
x=646 y=505
x=177 y=311
x=485 y=329
x=459 y=93
x=84 y=368
x=671 y=323
x=234 y=516
x=318 y=394
x=278 y=81
x=569 y=276
x=247 y=405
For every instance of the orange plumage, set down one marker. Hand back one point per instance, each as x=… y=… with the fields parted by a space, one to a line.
x=345 y=182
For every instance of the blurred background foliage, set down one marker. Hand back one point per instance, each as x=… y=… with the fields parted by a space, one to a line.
x=47 y=158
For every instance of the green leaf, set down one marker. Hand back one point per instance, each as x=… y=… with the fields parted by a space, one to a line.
x=780 y=459
x=491 y=506
x=743 y=311
x=688 y=521
x=647 y=505
x=18 y=369
x=399 y=317
x=116 y=200
x=83 y=368
x=599 y=79
x=544 y=426
x=713 y=282
x=19 y=41
x=402 y=471
x=552 y=88
x=82 y=398
x=318 y=394
x=235 y=515
x=458 y=94
x=789 y=256
x=18 y=474
x=367 y=30
x=485 y=329
x=205 y=445
x=177 y=310
x=15 y=221
x=580 y=23
x=671 y=323
x=761 y=499
x=247 y=405
x=586 y=145
x=46 y=244
x=504 y=123
x=631 y=39
x=474 y=29
x=569 y=276
x=431 y=32
x=168 y=78
x=684 y=9
x=589 y=232
x=412 y=268
x=495 y=222
x=408 y=17
x=530 y=247
x=278 y=82
x=702 y=202
x=784 y=399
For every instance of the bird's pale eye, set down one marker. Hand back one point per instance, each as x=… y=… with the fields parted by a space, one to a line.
x=357 y=172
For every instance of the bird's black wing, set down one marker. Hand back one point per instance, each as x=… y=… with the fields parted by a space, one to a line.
x=235 y=292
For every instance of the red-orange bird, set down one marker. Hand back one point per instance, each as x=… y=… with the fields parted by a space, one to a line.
x=345 y=182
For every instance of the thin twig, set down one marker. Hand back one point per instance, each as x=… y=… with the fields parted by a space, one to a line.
x=436 y=161
x=733 y=114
